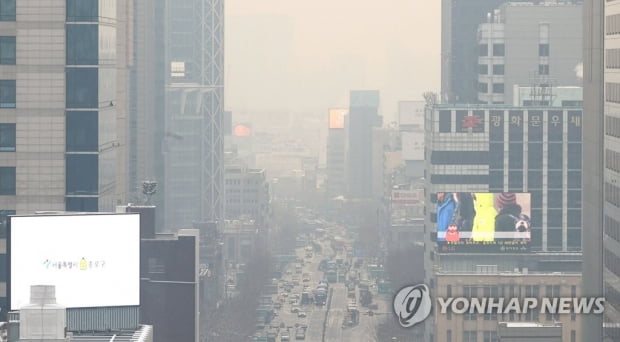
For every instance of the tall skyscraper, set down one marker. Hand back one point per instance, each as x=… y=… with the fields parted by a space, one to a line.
x=193 y=140
x=335 y=157
x=363 y=116
x=601 y=203
x=492 y=172
x=62 y=122
x=146 y=100
x=524 y=44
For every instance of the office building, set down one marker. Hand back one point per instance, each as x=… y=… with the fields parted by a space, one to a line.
x=527 y=44
x=459 y=24
x=146 y=101
x=247 y=192
x=62 y=108
x=535 y=150
x=194 y=97
x=363 y=116
x=528 y=157
x=601 y=200
x=170 y=285
x=335 y=156
x=497 y=282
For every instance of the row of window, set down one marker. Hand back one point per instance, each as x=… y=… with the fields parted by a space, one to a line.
x=612 y=126
x=612 y=24
x=612 y=228
x=612 y=160
x=81 y=178
x=612 y=296
x=612 y=92
x=498 y=50
x=612 y=262
x=82 y=133
x=498 y=69
x=612 y=194
x=498 y=88
x=612 y=58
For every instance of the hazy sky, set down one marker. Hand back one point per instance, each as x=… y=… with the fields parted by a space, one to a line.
x=305 y=56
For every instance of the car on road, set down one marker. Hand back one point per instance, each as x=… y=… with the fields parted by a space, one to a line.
x=301 y=314
x=294 y=309
x=285 y=336
x=300 y=334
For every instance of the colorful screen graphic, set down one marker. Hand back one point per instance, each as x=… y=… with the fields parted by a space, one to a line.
x=469 y=221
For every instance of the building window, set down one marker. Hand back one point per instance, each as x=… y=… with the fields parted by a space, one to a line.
x=498 y=88
x=498 y=69
x=7 y=50
x=483 y=87
x=82 y=174
x=483 y=50
x=7 y=10
x=7 y=137
x=490 y=336
x=543 y=50
x=82 y=132
x=82 y=10
x=82 y=204
x=498 y=50
x=543 y=69
x=470 y=336
x=82 y=87
x=4 y=221
x=7 y=93
x=483 y=69
x=7 y=181
x=82 y=44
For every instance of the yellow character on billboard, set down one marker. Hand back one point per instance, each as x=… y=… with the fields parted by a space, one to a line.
x=484 y=221
x=83 y=264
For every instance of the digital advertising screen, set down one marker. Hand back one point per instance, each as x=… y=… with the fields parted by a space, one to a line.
x=93 y=260
x=483 y=222
x=336 y=118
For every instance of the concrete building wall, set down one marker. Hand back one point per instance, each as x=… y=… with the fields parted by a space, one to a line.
x=593 y=137
x=505 y=285
x=523 y=36
x=611 y=173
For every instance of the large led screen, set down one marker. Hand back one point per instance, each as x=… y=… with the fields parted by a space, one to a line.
x=93 y=260
x=471 y=222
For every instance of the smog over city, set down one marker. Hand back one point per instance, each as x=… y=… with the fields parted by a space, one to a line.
x=326 y=171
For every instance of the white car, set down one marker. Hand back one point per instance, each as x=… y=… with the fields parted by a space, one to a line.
x=301 y=314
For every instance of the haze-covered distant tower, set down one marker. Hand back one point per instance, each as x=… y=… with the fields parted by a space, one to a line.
x=193 y=140
x=363 y=116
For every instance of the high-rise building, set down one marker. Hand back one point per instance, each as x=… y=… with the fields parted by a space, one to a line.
x=459 y=67
x=146 y=100
x=535 y=150
x=527 y=44
x=335 y=156
x=247 y=192
x=363 y=116
x=503 y=197
x=603 y=142
x=62 y=112
x=193 y=139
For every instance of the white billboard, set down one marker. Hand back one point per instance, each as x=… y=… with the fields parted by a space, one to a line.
x=93 y=260
x=413 y=145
